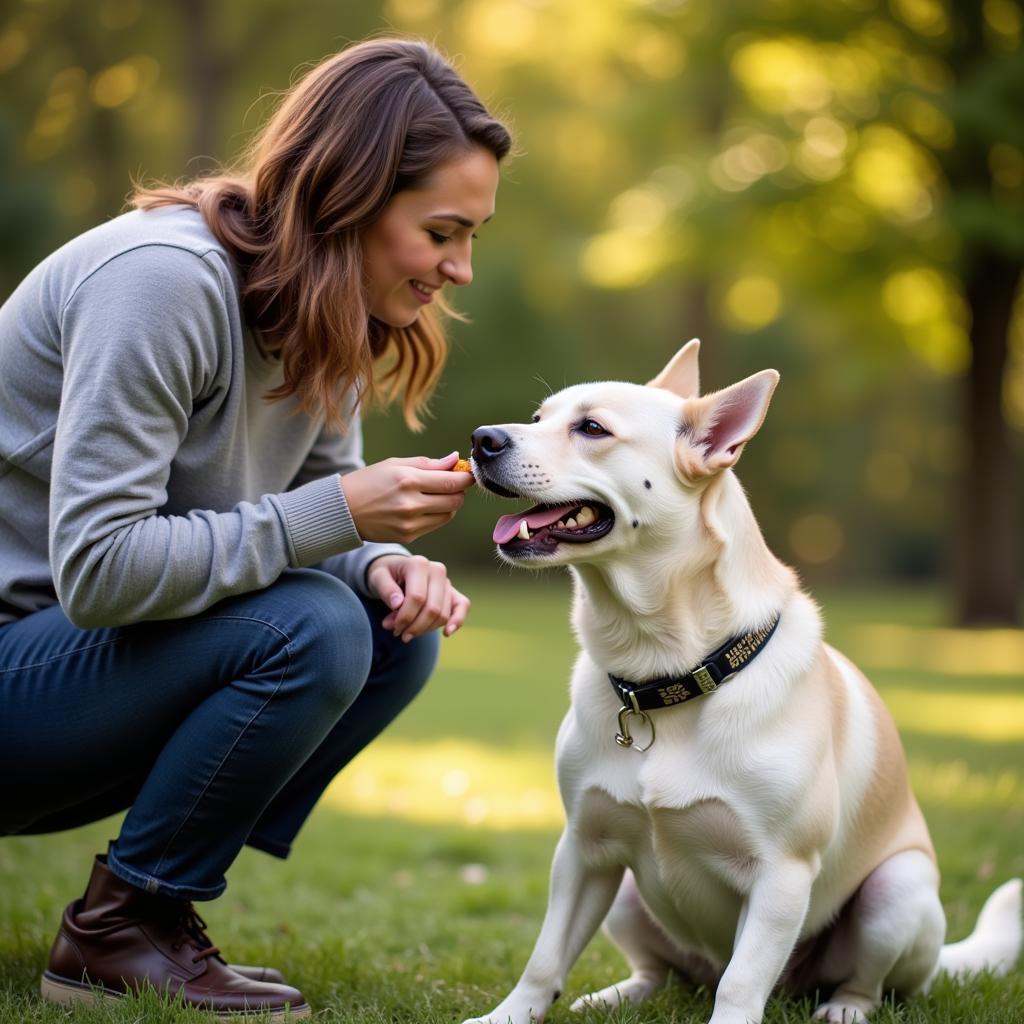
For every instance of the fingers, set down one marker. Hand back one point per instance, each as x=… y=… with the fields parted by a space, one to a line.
x=384 y=585
x=445 y=463
x=424 y=462
x=423 y=605
x=460 y=609
x=436 y=607
x=435 y=482
x=430 y=601
x=389 y=500
x=436 y=476
x=425 y=500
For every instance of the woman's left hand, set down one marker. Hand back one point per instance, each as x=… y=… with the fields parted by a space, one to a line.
x=419 y=594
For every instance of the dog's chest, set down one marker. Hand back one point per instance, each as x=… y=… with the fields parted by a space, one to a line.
x=691 y=864
x=705 y=840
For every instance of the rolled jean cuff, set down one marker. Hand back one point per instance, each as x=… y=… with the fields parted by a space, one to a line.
x=156 y=887
x=272 y=846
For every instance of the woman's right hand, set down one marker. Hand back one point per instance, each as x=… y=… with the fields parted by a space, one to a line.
x=402 y=499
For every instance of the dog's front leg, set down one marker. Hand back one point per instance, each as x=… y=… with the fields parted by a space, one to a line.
x=768 y=930
x=581 y=894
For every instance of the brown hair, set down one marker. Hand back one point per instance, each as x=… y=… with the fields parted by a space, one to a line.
x=373 y=120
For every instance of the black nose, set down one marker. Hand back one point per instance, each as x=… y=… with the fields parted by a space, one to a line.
x=489 y=443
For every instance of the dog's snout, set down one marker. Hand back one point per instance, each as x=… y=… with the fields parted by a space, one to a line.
x=489 y=443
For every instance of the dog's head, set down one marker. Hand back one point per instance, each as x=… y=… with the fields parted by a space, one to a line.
x=613 y=466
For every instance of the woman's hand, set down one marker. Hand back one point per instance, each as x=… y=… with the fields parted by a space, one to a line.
x=419 y=594
x=402 y=499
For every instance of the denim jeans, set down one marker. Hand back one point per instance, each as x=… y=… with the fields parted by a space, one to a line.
x=215 y=731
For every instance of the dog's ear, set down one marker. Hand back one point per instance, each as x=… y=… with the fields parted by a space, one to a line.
x=722 y=423
x=681 y=376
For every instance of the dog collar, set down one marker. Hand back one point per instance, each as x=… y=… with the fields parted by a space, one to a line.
x=717 y=668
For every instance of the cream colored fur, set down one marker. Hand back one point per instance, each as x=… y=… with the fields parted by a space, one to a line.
x=769 y=833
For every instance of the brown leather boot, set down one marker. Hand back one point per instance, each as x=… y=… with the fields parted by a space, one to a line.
x=253 y=973
x=119 y=939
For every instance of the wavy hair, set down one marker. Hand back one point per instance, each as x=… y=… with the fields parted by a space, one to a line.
x=371 y=121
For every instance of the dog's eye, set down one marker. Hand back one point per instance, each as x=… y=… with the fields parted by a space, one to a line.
x=592 y=429
x=536 y=418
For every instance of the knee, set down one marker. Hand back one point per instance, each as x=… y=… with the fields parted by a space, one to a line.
x=330 y=639
x=401 y=670
x=414 y=662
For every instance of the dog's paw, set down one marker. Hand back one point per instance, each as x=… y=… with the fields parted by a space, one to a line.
x=630 y=990
x=607 y=999
x=508 y=1015
x=845 y=1008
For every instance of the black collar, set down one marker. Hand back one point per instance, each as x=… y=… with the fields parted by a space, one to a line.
x=717 y=667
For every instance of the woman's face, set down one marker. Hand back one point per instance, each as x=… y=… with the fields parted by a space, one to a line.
x=424 y=237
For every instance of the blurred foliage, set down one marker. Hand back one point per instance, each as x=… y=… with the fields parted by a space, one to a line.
x=773 y=176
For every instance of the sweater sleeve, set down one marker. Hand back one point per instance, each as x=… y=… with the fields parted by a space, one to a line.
x=141 y=339
x=341 y=452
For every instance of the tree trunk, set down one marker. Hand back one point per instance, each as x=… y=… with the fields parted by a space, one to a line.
x=988 y=542
x=987 y=548
x=204 y=83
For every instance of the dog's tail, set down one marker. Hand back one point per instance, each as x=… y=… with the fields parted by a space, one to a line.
x=995 y=943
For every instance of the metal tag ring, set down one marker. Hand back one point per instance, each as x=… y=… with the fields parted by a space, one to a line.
x=623 y=736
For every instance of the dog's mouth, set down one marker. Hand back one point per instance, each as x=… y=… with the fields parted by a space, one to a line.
x=541 y=529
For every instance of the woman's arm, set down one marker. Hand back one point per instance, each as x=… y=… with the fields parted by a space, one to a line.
x=417 y=590
x=141 y=342
x=341 y=453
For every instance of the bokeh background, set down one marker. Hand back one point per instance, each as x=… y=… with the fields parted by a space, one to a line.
x=831 y=187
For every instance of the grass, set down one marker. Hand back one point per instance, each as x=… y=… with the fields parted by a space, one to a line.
x=417 y=889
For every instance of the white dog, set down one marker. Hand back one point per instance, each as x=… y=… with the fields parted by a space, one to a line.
x=758 y=829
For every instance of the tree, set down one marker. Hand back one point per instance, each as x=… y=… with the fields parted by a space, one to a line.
x=832 y=187
x=986 y=205
x=851 y=173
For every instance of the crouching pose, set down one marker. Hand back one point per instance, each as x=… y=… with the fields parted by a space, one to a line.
x=205 y=612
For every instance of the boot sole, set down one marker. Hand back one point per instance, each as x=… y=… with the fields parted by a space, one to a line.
x=55 y=989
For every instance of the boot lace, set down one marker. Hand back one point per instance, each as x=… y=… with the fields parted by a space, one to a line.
x=192 y=930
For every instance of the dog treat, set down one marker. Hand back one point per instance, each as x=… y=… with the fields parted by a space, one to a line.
x=462 y=466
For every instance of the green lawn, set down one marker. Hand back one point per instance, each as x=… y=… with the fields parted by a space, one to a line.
x=417 y=889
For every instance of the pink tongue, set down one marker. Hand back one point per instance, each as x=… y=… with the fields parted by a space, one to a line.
x=508 y=526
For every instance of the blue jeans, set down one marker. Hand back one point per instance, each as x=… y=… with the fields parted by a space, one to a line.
x=215 y=731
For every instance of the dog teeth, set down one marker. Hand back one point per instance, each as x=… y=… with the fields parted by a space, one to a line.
x=586 y=516
x=582 y=519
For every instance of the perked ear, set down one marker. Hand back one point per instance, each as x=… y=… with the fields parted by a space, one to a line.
x=681 y=376
x=728 y=419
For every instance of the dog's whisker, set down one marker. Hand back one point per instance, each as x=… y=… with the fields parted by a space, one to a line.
x=544 y=384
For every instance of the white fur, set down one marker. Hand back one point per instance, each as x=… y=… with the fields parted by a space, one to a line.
x=771 y=813
x=996 y=940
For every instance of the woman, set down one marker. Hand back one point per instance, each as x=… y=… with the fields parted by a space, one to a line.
x=205 y=611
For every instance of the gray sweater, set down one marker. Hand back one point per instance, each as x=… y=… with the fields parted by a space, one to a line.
x=142 y=473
